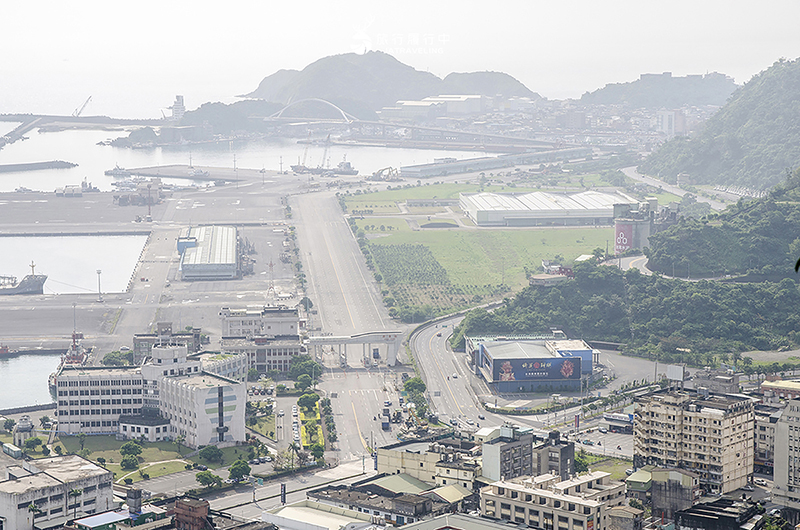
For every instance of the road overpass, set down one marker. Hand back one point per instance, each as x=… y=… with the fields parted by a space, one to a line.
x=392 y=340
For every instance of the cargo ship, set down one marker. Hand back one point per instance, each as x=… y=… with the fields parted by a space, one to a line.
x=345 y=168
x=119 y=172
x=31 y=284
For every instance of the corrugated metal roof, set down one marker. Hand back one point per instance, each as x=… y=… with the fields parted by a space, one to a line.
x=216 y=245
x=545 y=201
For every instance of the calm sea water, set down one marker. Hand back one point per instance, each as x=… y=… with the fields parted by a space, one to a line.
x=80 y=147
x=71 y=263
x=23 y=381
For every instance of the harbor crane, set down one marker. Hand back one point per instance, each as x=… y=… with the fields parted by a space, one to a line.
x=79 y=110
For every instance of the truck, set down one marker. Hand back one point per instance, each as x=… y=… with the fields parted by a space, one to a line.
x=385 y=424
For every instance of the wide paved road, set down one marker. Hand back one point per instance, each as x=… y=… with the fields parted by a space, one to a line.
x=340 y=285
x=635 y=175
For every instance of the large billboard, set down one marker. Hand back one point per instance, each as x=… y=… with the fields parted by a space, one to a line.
x=623 y=236
x=536 y=369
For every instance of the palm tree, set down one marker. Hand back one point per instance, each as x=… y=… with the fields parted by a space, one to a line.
x=294 y=449
x=75 y=493
x=179 y=442
x=34 y=510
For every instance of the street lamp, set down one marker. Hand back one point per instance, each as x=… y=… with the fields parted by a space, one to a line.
x=99 y=292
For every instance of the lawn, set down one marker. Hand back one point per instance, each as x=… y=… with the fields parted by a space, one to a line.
x=615 y=466
x=152 y=470
x=108 y=447
x=229 y=456
x=477 y=261
x=265 y=425
x=664 y=198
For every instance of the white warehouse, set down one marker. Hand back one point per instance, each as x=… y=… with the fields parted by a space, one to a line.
x=209 y=253
x=542 y=208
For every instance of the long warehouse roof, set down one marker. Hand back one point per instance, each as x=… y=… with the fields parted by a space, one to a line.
x=541 y=200
x=216 y=245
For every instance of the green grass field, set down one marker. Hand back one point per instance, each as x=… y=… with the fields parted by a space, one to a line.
x=476 y=258
x=615 y=466
x=265 y=425
x=229 y=456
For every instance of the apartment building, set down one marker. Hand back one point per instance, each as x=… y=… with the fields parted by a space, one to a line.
x=766 y=421
x=710 y=434
x=510 y=455
x=554 y=455
x=47 y=484
x=786 y=478
x=547 y=502
x=441 y=462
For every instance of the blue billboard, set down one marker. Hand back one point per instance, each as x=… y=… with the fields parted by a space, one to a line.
x=536 y=369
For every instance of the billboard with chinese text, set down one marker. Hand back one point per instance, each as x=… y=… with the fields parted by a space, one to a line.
x=536 y=369
x=623 y=236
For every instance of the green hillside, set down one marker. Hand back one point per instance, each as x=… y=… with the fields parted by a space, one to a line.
x=361 y=84
x=655 y=91
x=760 y=238
x=751 y=141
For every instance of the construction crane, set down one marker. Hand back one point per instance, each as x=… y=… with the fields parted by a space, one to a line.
x=78 y=111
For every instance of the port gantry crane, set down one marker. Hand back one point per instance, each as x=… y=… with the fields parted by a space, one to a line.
x=77 y=112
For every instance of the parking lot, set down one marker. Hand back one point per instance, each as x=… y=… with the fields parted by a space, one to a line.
x=604 y=443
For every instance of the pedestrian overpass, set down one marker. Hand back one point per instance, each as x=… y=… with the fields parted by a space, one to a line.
x=372 y=342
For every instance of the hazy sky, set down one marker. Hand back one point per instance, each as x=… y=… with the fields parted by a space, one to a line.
x=133 y=57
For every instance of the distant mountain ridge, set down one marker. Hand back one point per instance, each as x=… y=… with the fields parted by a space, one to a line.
x=751 y=141
x=655 y=91
x=362 y=84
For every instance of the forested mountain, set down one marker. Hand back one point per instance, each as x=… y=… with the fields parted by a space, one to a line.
x=655 y=91
x=761 y=237
x=362 y=84
x=486 y=83
x=653 y=315
x=751 y=141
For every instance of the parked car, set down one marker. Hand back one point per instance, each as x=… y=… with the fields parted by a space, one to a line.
x=629 y=472
x=603 y=430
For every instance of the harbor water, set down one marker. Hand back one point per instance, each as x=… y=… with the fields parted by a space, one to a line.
x=80 y=147
x=23 y=380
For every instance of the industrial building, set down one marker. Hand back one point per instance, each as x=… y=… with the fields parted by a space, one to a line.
x=710 y=434
x=528 y=366
x=489 y=163
x=541 y=208
x=48 y=484
x=209 y=253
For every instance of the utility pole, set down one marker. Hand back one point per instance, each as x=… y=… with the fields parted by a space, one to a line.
x=99 y=292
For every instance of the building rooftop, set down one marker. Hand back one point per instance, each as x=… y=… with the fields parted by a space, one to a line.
x=450 y=494
x=400 y=483
x=216 y=245
x=99 y=371
x=313 y=513
x=49 y=472
x=458 y=521
x=781 y=385
x=104 y=518
x=202 y=380
x=514 y=350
